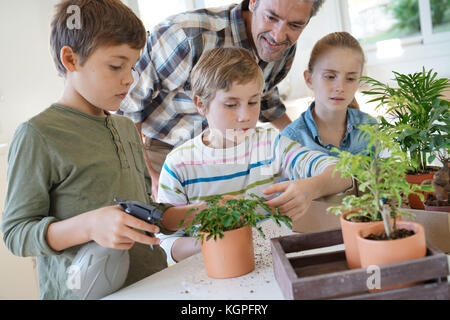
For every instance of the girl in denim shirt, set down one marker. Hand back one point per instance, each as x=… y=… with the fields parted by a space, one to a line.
x=332 y=120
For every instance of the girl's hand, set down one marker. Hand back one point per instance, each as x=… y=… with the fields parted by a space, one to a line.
x=295 y=198
x=113 y=228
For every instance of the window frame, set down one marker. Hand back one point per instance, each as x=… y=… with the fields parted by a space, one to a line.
x=426 y=33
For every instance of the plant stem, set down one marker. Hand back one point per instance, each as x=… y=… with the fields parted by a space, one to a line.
x=375 y=171
x=386 y=214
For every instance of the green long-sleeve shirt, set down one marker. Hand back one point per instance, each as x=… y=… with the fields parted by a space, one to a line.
x=62 y=163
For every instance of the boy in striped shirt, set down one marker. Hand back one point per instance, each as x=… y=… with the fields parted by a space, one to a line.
x=233 y=157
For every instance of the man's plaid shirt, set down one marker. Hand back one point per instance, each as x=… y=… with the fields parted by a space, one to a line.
x=161 y=97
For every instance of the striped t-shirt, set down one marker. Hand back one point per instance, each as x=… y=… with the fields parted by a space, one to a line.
x=193 y=172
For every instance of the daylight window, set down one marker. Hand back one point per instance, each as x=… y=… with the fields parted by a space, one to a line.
x=372 y=21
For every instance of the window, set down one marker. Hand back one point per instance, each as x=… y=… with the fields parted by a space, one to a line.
x=440 y=15
x=372 y=21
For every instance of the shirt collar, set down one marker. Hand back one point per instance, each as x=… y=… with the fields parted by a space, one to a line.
x=311 y=123
x=238 y=29
x=350 y=120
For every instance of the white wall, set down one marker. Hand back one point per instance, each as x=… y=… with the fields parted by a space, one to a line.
x=28 y=84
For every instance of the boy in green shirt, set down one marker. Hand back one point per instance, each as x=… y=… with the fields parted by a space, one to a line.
x=66 y=165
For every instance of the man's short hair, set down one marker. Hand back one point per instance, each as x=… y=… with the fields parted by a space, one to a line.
x=315 y=8
x=85 y=25
x=220 y=68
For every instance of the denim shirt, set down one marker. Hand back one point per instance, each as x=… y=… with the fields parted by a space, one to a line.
x=304 y=131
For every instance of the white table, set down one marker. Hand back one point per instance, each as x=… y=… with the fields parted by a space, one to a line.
x=188 y=280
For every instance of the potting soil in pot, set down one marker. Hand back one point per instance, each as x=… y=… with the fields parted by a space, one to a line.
x=397 y=234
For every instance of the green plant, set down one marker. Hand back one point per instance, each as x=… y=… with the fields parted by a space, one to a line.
x=380 y=177
x=417 y=103
x=224 y=215
x=406 y=13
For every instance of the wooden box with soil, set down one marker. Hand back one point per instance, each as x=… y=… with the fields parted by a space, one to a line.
x=305 y=275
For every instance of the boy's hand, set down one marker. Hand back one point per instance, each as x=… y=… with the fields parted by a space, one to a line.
x=295 y=199
x=228 y=197
x=113 y=228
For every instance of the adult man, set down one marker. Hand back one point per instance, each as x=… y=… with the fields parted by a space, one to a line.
x=160 y=103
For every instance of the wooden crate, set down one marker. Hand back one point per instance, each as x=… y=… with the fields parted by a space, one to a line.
x=326 y=275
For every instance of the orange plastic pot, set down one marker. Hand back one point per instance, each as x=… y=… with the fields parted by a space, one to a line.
x=349 y=231
x=413 y=199
x=231 y=256
x=379 y=252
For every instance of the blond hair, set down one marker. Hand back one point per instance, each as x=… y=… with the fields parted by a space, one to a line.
x=220 y=68
x=335 y=40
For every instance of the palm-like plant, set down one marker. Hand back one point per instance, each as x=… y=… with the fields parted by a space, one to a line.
x=417 y=103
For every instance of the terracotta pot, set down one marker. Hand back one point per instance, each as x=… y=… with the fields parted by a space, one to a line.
x=413 y=199
x=379 y=252
x=231 y=256
x=349 y=231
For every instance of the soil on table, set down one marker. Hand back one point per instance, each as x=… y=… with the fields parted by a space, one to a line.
x=397 y=234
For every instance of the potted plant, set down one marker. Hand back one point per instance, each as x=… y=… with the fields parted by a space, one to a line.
x=416 y=101
x=439 y=200
x=379 y=172
x=224 y=229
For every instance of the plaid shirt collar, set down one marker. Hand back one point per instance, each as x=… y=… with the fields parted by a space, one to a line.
x=238 y=28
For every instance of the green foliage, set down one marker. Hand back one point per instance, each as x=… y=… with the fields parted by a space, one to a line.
x=224 y=215
x=406 y=13
x=416 y=103
x=379 y=178
x=440 y=11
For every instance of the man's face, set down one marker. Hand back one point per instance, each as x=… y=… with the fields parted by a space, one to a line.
x=277 y=24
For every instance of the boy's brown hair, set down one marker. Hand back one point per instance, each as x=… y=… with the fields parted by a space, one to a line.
x=219 y=68
x=101 y=22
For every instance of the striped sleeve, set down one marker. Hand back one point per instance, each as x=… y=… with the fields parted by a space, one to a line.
x=170 y=189
x=299 y=162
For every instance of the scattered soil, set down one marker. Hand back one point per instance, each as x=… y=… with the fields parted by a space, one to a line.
x=397 y=234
